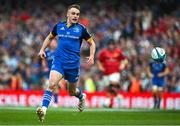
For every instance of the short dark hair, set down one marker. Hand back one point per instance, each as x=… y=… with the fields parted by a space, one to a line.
x=111 y=41
x=74 y=6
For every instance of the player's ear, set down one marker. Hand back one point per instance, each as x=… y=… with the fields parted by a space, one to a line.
x=67 y=14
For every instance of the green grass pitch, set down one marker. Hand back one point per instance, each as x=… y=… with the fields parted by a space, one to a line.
x=70 y=116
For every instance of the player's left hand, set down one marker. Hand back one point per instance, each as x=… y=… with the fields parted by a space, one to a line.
x=160 y=75
x=121 y=67
x=90 y=60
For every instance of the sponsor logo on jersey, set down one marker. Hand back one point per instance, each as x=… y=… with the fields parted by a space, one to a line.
x=76 y=29
x=62 y=28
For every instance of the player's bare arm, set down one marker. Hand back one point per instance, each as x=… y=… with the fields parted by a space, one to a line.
x=100 y=66
x=164 y=73
x=92 y=47
x=46 y=42
x=123 y=64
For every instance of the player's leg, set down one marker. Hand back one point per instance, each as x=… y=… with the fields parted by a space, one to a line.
x=155 y=91
x=55 y=94
x=155 y=95
x=54 y=79
x=161 y=84
x=159 y=96
x=77 y=92
x=110 y=94
x=72 y=77
x=114 y=80
x=107 y=89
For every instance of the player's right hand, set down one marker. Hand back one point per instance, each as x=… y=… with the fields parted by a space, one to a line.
x=42 y=54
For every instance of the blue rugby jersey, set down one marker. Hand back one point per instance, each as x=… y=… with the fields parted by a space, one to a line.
x=157 y=67
x=69 y=43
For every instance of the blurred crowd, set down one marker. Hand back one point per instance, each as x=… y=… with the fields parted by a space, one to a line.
x=135 y=26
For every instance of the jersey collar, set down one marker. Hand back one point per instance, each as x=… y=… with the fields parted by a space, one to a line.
x=68 y=26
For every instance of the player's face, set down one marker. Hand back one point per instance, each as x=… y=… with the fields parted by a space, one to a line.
x=111 y=47
x=73 y=15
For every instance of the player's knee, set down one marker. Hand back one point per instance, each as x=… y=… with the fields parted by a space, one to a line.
x=52 y=85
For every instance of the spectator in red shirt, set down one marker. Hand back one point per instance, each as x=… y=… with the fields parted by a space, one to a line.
x=111 y=61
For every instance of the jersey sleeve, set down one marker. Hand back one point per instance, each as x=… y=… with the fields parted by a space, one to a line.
x=54 y=31
x=85 y=34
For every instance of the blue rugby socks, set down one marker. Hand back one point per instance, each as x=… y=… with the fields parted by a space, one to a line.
x=80 y=95
x=47 y=98
x=56 y=98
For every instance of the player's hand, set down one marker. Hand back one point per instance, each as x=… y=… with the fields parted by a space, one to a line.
x=90 y=60
x=42 y=54
x=121 y=67
x=160 y=75
x=123 y=64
